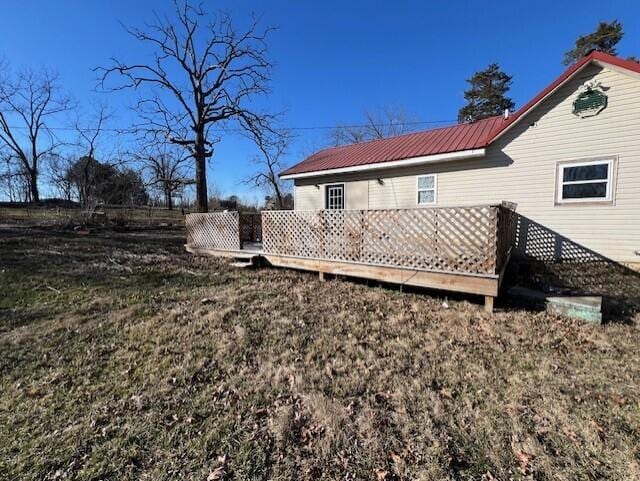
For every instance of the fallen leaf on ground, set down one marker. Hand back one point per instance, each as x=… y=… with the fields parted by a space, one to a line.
x=381 y=474
x=395 y=458
x=218 y=472
x=524 y=461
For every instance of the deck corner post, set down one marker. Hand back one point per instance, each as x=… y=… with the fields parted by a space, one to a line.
x=321 y=276
x=488 y=304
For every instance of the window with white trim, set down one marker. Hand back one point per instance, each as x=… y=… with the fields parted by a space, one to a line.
x=585 y=181
x=334 y=196
x=426 y=189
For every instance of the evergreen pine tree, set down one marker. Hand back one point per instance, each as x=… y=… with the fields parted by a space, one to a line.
x=604 y=39
x=487 y=95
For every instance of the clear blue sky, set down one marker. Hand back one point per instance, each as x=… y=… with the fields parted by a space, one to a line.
x=333 y=59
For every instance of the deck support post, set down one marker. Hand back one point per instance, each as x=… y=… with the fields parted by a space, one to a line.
x=321 y=276
x=488 y=304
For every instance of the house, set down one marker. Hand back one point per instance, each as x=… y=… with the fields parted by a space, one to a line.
x=428 y=209
x=569 y=159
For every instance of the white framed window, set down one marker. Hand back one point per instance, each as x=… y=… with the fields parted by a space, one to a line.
x=334 y=196
x=585 y=181
x=426 y=187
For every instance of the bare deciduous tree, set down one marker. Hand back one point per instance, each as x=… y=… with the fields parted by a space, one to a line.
x=379 y=124
x=204 y=73
x=89 y=132
x=58 y=173
x=167 y=168
x=13 y=181
x=272 y=147
x=27 y=102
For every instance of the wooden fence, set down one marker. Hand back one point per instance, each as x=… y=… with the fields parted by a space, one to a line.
x=103 y=214
x=469 y=240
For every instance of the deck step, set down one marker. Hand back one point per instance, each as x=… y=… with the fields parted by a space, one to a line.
x=242 y=264
x=585 y=308
x=243 y=258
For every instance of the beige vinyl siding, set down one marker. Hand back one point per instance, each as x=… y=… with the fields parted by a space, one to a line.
x=395 y=192
x=521 y=167
x=307 y=197
x=310 y=195
x=357 y=194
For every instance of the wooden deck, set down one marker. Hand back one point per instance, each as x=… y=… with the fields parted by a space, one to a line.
x=462 y=249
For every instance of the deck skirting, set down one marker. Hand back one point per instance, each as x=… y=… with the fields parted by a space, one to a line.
x=479 y=284
x=468 y=283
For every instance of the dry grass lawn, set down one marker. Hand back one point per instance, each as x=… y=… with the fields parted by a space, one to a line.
x=122 y=357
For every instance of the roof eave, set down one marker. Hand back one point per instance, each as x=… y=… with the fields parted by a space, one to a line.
x=412 y=161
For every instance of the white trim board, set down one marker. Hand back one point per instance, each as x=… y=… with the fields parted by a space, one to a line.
x=424 y=159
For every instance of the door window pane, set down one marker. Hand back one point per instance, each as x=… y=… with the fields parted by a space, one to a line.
x=334 y=195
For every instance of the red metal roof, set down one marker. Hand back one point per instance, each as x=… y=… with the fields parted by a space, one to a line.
x=429 y=142
x=455 y=138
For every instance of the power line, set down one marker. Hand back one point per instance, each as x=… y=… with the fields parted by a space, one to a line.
x=237 y=129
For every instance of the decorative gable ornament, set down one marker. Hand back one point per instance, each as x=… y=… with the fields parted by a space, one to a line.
x=591 y=100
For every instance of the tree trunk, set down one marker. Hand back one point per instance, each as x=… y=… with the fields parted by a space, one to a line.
x=279 y=198
x=168 y=198
x=201 y=173
x=33 y=186
x=84 y=191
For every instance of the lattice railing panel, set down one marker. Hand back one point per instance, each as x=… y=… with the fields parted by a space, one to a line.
x=215 y=230
x=460 y=239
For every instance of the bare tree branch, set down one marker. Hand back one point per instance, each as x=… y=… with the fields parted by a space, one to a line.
x=269 y=163
x=167 y=168
x=203 y=74
x=28 y=101
x=89 y=131
x=379 y=124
